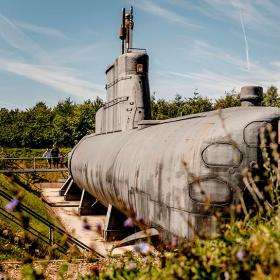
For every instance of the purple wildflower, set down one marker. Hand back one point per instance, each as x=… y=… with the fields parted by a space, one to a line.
x=131 y=266
x=128 y=223
x=11 y=206
x=140 y=220
x=174 y=242
x=240 y=254
x=137 y=248
x=86 y=225
x=182 y=263
x=144 y=248
x=98 y=226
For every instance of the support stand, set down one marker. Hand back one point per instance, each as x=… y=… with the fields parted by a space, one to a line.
x=73 y=192
x=90 y=206
x=114 y=228
x=65 y=186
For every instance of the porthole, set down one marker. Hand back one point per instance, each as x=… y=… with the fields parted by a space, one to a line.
x=222 y=155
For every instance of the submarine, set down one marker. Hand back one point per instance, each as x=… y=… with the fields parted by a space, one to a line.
x=172 y=174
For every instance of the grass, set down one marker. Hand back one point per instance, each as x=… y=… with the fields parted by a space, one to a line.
x=27 y=152
x=10 y=251
x=16 y=232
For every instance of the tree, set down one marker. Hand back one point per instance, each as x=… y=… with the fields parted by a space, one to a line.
x=271 y=97
x=62 y=129
x=231 y=99
x=83 y=119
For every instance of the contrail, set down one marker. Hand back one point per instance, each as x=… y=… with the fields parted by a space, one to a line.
x=246 y=42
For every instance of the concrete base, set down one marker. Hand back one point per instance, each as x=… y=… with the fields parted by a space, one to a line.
x=67 y=214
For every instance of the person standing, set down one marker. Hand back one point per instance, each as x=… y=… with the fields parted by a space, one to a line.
x=61 y=160
x=55 y=153
x=48 y=155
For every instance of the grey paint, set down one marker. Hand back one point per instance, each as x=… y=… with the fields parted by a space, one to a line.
x=128 y=94
x=152 y=170
x=152 y=167
x=251 y=96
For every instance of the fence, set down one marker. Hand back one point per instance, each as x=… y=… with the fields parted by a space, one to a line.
x=33 y=164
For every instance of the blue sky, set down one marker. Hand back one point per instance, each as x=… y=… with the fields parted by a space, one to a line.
x=51 y=50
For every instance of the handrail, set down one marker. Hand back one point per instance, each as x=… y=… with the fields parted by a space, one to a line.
x=32 y=165
x=32 y=230
x=27 y=158
x=52 y=226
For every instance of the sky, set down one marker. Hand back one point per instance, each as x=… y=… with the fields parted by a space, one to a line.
x=52 y=50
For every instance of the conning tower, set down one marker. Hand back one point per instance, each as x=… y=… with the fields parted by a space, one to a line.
x=128 y=92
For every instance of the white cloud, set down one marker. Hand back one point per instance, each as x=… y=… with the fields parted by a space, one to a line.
x=15 y=37
x=214 y=84
x=276 y=63
x=43 y=30
x=246 y=42
x=57 y=78
x=258 y=14
x=154 y=9
x=200 y=50
x=72 y=54
x=43 y=67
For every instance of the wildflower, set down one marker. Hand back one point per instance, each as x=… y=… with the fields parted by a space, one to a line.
x=240 y=254
x=174 y=242
x=131 y=266
x=145 y=260
x=98 y=226
x=11 y=206
x=182 y=263
x=140 y=220
x=144 y=248
x=128 y=223
x=137 y=248
x=86 y=225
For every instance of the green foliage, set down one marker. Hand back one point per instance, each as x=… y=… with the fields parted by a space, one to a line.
x=41 y=126
x=271 y=97
x=16 y=237
x=231 y=99
x=9 y=250
x=66 y=123
x=162 y=109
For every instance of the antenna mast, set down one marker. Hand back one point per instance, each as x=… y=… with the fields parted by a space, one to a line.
x=126 y=30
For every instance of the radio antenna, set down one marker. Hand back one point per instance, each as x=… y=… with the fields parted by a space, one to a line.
x=126 y=30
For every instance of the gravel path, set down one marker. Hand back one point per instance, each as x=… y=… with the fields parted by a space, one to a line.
x=50 y=269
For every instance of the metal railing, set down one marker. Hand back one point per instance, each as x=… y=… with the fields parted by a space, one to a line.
x=56 y=234
x=34 y=164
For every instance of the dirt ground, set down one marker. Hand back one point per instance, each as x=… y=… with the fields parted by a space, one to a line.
x=51 y=270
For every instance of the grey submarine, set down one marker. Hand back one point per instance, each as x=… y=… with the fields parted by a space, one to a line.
x=163 y=172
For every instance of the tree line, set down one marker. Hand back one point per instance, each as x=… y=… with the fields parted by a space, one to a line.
x=67 y=122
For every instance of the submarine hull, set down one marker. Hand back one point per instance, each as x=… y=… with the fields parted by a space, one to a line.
x=154 y=170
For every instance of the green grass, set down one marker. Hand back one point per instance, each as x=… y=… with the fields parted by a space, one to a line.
x=33 y=202
x=10 y=251
x=27 y=152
